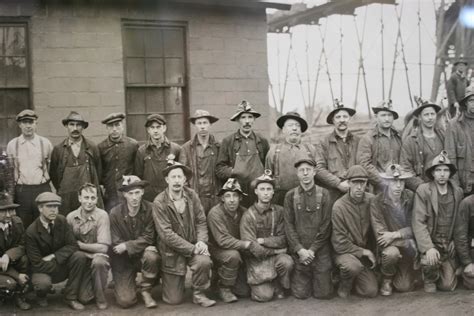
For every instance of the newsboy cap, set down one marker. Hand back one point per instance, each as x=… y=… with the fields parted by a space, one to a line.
x=158 y=118
x=309 y=161
x=113 y=117
x=357 y=172
x=26 y=115
x=48 y=197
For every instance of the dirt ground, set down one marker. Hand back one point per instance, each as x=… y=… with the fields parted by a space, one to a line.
x=460 y=302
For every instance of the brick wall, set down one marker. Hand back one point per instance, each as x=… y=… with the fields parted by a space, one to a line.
x=77 y=60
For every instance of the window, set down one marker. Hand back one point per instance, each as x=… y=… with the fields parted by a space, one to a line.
x=155 y=77
x=14 y=77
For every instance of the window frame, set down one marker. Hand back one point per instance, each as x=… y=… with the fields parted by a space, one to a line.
x=157 y=24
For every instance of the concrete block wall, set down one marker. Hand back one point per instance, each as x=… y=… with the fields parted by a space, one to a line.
x=77 y=60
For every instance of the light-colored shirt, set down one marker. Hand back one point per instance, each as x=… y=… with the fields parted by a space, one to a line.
x=75 y=147
x=90 y=227
x=31 y=158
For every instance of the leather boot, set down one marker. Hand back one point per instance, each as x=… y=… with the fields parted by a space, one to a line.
x=226 y=295
x=201 y=299
x=386 y=288
x=430 y=287
x=345 y=288
x=21 y=303
x=148 y=300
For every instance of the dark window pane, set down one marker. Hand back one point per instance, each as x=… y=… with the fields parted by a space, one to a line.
x=14 y=101
x=135 y=70
x=174 y=69
x=15 y=71
x=9 y=129
x=2 y=72
x=136 y=100
x=136 y=127
x=134 y=43
x=174 y=99
x=154 y=71
x=15 y=43
x=175 y=130
x=153 y=43
x=155 y=101
x=174 y=42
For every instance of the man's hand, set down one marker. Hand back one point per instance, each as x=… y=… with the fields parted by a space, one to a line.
x=432 y=256
x=305 y=256
x=261 y=241
x=469 y=270
x=120 y=248
x=257 y=250
x=367 y=253
x=386 y=238
x=4 y=262
x=23 y=278
x=343 y=186
x=49 y=257
x=200 y=248
x=247 y=244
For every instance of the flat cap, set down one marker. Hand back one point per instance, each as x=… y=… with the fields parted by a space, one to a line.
x=357 y=172
x=113 y=117
x=48 y=197
x=26 y=115
x=158 y=118
x=309 y=161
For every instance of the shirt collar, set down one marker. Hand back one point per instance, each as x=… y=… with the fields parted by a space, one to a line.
x=5 y=226
x=45 y=224
x=113 y=142
x=90 y=216
x=23 y=140
x=164 y=143
x=71 y=143
x=333 y=137
x=260 y=210
x=238 y=135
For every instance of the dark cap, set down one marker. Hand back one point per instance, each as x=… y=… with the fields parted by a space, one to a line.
x=203 y=114
x=26 y=115
x=339 y=106
x=158 y=118
x=75 y=117
x=357 y=172
x=48 y=197
x=309 y=161
x=113 y=117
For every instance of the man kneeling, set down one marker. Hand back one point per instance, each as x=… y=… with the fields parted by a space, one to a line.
x=268 y=266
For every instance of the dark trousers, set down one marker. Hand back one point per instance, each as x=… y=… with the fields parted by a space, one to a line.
x=7 y=281
x=173 y=285
x=442 y=274
x=75 y=271
x=397 y=265
x=230 y=270
x=124 y=272
x=356 y=275
x=25 y=195
x=313 y=279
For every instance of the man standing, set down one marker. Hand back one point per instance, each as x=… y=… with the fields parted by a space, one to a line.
x=390 y=213
x=133 y=245
x=74 y=161
x=181 y=225
x=350 y=237
x=117 y=153
x=422 y=145
x=308 y=230
x=225 y=243
x=242 y=154
x=91 y=227
x=200 y=154
x=54 y=256
x=31 y=155
x=336 y=152
x=459 y=143
x=152 y=156
x=282 y=156
x=269 y=266
x=456 y=86
x=435 y=210
x=13 y=260
x=381 y=146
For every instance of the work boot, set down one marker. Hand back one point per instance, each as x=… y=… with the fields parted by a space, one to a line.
x=226 y=295
x=279 y=293
x=42 y=301
x=75 y=305
x=201 y=299
x=21 y=303
x=149 y=301
x=386 y=288
x=430 y=287
x=102 y=305
x=345 y=287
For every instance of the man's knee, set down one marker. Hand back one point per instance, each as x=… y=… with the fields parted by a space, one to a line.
x=151 y=257
x=284 y=262
x=202 y=262
x=41 y=283
x=262 y=292
x=349 y=265
x=391 y=255
x=78 y=257
x=7 y=283
x=232 y=259
x=100 y=263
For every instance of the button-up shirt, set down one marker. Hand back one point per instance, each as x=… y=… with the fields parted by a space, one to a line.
x=46 y=224
x=75 y=146
x=224 y=227
x=31 y=158
x=90 y=227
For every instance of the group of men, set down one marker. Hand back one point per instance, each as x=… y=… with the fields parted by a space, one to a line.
x=253 y=219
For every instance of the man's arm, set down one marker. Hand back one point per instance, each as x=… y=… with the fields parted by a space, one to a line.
x=223 y=165
x=70 y=244
x=364 y=158
x=278 y=240
x=324 y=234
x=147 y=238
x=341 y=240
x=290 y=228
x=461 y=232
x=326 y=177
x=201 y=223
x=420 y=220
x=221 y=234
x=408 y=162
x=35 y=257
x=450 y=145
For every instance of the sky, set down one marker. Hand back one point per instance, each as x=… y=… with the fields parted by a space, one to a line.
x=306 y=52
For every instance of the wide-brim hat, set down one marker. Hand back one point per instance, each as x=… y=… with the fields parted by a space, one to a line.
x=441 y=160
x=231 y=185
x=468 y=93
x=203 y=114
x=172 y=164
x=385 y=106
x=424 y=105
x=75 y=117
x=294 y=116
x=395 y=171
x=266 y=177
x=460 y=61
x=132 y=182
x=6 y=201
x=244 y=107
x=339 y=106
